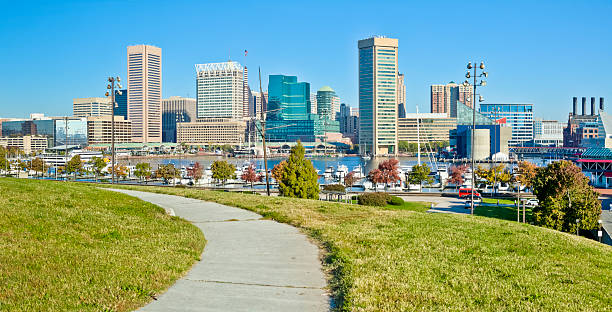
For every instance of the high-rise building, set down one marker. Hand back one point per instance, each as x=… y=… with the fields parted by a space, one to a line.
x=401 y=96
x=144 y=85
x=220 y=90
x=518 y=116
x=313 y=103
x=121 y=104
x=93 y=106
x=378 y=95
x=328 y=103
x=349 y=123
x=99 y=130
x=444 y=98
x=246 y=93
x=425 y=127
x=176 y=109
x=288 y=98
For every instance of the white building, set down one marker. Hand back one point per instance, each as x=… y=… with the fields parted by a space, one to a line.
x=90 y=107
x=221 y=90
x=26 y=143
x=547 y=132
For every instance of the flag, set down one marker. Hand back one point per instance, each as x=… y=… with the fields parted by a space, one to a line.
x=246 y=52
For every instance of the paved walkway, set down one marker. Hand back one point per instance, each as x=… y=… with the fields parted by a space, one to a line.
x=248 y=264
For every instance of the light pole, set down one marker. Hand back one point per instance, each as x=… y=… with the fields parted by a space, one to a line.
x=111 y=86
x=474 y=85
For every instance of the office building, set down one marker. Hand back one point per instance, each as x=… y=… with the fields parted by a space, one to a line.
x=70 y=131
x=518 y=116
x=432 y=127
x=144 y=85
x=257 y=104
x=290 y=118
x=328 y=103
x=176 y=109
x=444 y=98
x=207 y=131
x=401 y=96
x=99 y=130
x=378 y=96
x=246 y=93
x=220 y=90
x=313 y=103
x=121 y=103
x=93 y=106
x=349 y=123
x=52 y=128
x=27 y=143
x=547 y=133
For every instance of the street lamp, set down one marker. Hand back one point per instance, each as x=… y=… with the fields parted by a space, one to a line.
x=482 y=83
x=111 y=86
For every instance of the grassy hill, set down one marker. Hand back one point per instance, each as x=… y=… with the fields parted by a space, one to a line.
x=401 y=260
x=71 y=247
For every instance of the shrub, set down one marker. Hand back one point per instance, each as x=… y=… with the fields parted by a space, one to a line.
x=374 y=199
x=334 y=188
x=396 y=201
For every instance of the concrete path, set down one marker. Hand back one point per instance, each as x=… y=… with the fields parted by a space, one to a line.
x=248 y=264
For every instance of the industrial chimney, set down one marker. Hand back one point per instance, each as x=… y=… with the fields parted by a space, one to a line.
x=575 y=101
x=593 y=106
x=601 y=106
x=583 y=106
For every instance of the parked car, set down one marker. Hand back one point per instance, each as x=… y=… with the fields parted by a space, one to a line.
x=532 y=202
x=467 y=192
x=468 y=203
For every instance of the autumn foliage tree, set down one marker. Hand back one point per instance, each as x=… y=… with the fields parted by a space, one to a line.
x=277 y=171
x=456 y=176
x=250 y=175
x=350 y=179
x=564 y=196
x=387 y=172
x=195 y=172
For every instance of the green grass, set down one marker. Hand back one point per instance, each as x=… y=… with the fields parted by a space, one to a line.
x=491 y=210
x=412 y=206
x=402 y=260
x=71 y=247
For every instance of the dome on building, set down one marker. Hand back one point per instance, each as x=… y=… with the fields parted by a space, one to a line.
x=326 y=88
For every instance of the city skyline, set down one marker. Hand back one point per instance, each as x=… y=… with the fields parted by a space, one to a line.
x=544 y=61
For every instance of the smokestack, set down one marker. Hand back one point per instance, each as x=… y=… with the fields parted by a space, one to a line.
x=601 y=106
x=592 y=106
x=575 y=101
x=583 y=106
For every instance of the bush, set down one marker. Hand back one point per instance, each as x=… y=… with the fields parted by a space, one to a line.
x=374 y=199
x=396 y=201
x=334 y=188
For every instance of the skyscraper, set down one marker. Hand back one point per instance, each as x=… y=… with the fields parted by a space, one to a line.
x=144 y=85
x=289 y=98
x=378 y=95
x=313 y=103
x=328 y=103
x=444 y=98
x=401 y=96
x=221 y=90
x=176 y=109
x=246 y=93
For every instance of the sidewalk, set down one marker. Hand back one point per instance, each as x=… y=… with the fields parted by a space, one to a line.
x=248 y=264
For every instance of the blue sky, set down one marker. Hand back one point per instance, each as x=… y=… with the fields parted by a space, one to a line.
x=542 y=53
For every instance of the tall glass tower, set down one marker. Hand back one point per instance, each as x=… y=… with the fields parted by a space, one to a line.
x=328 y=103
x=288 y=99
x=378 y=100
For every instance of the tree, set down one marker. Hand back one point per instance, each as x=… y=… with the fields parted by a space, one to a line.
x=456 y=176
x=277 y=171
x=525 y=173
x=564 y=196
x=350 y=179
x=195 y=172
x=420 y=174
x=143 y=170
x=222 y=171
x=250 y=175
x=166 y=172
x=38 y=165
x=97 y=165
x=387 y=172
x=74 y=165
x=121 y=171
x=299 y=177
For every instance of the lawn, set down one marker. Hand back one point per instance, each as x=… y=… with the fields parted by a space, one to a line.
x=404 y=260
x=71 y=247
x=503 y=211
